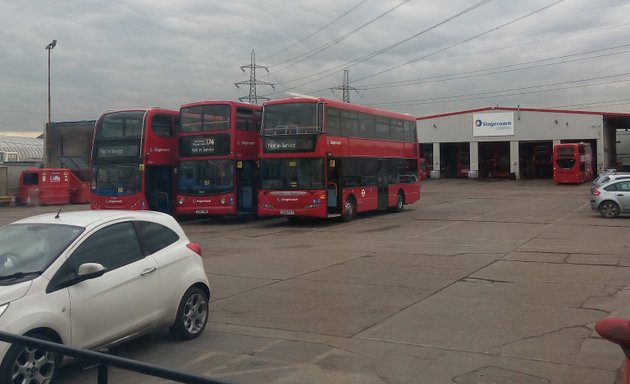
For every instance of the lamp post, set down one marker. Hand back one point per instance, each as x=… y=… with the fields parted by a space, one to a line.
x=49 y=48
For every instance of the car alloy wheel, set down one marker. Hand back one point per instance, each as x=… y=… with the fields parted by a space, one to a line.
x=29 y=365
x=192 y=314
x=609 y=209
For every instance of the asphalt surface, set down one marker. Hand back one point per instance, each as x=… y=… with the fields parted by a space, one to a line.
x=479 y=282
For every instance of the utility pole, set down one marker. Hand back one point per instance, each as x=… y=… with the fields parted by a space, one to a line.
x=345 y=88
x=253 y=97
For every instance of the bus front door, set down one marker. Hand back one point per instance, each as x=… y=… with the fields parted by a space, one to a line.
x=159 y=187
x=333 y=188
x=246 y=181
x=382 y=185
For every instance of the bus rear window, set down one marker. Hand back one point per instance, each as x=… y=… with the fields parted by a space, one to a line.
x=565 y=151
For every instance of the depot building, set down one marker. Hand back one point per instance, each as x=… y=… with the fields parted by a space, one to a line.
x=501 y=142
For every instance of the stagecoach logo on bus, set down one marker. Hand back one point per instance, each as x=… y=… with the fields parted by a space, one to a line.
x=159 y=150
x=493 y=124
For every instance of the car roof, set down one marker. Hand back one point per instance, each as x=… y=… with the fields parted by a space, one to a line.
x=614 y=181
x=92 y=217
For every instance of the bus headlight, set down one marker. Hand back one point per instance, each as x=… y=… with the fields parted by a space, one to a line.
x=223 y=200
x=180 y=201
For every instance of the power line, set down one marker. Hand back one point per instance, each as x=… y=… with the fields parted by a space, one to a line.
x=389 y=47
x=317 y=31
x=499 y=69
x=465 y=40
x=509 y=92
x=339 y=39
x=614 y=102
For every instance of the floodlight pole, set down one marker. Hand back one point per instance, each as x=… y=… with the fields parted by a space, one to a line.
x=49 y=48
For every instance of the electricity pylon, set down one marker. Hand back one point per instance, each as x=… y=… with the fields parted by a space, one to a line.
x=253 y=97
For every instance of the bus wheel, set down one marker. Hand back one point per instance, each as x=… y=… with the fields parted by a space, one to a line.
x=609 y=209
x=351 y=209
x=400 y=202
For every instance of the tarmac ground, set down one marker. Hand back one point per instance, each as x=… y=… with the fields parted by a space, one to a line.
x=479 y=282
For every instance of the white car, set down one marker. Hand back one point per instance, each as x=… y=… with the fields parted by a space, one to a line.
x=91 y=279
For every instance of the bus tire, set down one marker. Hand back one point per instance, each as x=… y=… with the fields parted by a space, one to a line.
x=609 y=209
x=400 y=202
x=350 y=209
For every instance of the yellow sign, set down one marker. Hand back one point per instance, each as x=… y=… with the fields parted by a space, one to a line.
x=239 y=164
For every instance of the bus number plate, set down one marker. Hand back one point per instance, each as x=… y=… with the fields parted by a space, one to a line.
x=201 y=211
x=287 y=212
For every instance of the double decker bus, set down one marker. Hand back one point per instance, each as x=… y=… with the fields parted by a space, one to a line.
x=572 y=163
x=134 y=153
x=218 y=149
x=325 y=158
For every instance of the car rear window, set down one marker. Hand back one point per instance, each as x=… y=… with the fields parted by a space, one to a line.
x=155 y=236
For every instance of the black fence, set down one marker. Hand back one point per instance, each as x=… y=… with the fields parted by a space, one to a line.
x=103 y=361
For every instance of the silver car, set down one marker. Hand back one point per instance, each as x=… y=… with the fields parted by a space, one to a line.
x=612 y=198
x=605 y=178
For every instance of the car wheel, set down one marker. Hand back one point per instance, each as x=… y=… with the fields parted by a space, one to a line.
x=32 y=365
x=609 y=209
x=192 y=314
x=351 y=209
x=400 y=202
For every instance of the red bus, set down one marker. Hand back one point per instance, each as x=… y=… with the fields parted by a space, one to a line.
x=325 y=158
x=218 y=149
x=134 y=153
x=572 y=163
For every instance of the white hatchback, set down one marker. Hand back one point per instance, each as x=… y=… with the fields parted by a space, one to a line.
x=92 y=279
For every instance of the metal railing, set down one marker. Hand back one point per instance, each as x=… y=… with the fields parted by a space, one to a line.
x=103 y=361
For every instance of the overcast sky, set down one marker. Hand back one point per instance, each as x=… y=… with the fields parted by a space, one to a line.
x=421 y=57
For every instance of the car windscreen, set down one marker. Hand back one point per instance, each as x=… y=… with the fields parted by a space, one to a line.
x=30 y=248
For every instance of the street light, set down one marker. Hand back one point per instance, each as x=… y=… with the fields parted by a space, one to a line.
x=49 y=48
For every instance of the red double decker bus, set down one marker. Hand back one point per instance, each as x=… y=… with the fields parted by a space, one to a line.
x=325 y=158
x=572 y=163
x=134 y=153
x=218 y=149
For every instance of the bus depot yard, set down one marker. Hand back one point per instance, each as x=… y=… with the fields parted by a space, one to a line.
x=479 y=282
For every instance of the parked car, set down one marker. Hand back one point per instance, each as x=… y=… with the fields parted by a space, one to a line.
x=612 y=198
x=607 y=177
x=91 y=279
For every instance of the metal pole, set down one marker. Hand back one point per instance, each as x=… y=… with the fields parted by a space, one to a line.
x=48 y=49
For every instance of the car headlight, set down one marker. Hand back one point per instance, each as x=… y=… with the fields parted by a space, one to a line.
x=3 y=308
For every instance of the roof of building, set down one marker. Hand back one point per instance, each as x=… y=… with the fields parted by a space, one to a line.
x=27 y=148
x=497 y=108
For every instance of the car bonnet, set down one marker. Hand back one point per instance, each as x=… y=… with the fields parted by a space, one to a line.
x=13 y=292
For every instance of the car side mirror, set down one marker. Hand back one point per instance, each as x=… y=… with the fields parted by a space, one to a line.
x=88 y=271
x=67 y=277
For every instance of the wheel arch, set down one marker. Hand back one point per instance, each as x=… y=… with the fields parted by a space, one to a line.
x=45 y=331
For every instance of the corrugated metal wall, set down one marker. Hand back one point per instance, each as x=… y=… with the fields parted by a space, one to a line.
x=528 y=126
x=68 y=139
x=3 y=181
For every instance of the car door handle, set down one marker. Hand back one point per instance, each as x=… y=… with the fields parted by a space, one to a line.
x=621 y=194
x=147 y=271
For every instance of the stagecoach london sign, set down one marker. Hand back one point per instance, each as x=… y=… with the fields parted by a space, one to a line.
x=493 y=124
